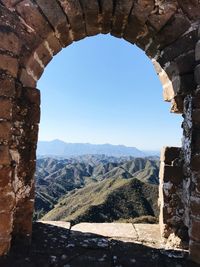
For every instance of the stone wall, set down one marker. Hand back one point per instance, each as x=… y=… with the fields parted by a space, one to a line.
x=33 y=31
x=171 y=201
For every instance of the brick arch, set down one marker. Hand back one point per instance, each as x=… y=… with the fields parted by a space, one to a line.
x=33 y=31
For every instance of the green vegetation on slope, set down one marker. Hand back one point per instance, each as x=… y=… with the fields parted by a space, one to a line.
x=106 y=201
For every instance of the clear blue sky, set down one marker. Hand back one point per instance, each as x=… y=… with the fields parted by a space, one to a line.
x=105 y=90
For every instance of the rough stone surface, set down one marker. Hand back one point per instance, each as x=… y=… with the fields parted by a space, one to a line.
x=32 y=32
x=107 y=229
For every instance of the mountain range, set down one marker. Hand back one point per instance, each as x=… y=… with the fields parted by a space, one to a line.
x=63 y=149
x=96 y=188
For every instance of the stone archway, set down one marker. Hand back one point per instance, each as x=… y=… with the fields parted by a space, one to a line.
x=33 y=31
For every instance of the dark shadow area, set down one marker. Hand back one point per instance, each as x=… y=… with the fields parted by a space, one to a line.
x=54 y=246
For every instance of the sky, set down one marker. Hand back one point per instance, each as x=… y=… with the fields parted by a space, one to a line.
x=105 y=90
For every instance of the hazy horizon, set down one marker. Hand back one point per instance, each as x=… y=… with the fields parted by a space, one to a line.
x=56 y=139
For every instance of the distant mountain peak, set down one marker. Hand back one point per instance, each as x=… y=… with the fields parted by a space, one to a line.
x=60 y=148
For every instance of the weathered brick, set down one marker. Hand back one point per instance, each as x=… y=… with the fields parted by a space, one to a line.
x=106 y=15
x=6 y=224
x=57 y=19
x=122 y=11
x=5 y=176
x=197 y=74
x=196 y=116
x=5 y=108
x=9 y=64
x=172 y=174
x=191 y=8
x=194 y=248
x=43 y=54
x=195 y=162
x=74 y=12
x=195 y=207
x=197 y=51
x=172 y=30
x=142 y=9
x=4 y=245
x=52 y=44
x=34 y=66
x=23 y=218
x=34 y=114
x=7 y=87
x=7 y=202
x=5 y=158
x=91 y=14
x=30 y=13
x=5 y=130
x=169 y=154
x=194 y=230
x=32 y=95
x=157 y=20
x=186 y=63
x=9 y=3
x=177 y=104
x=27 y=78
x=134 y=29
x=9 y=41
x=182 y=45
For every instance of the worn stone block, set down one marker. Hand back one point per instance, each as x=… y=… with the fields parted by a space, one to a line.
x=34 y=67
x=195 y=162
x=134 y=29
x=5 y=130
x=7 y=87
x=177 y=104
x=23 y=218
x=9 y=41
x=106 y=15
x=195 y=206
x=196 y=116
x=120 y=19
x=6 y=224
x=43 y=55
x=4 y=246
x=9 y=64
x=194 y=248
x=27 y=78
x=7 y=202
x=5 y=176
x=52 y=44
x=33 y=114
x=194 y=231
x=191 y=8
x=32 y=95
x=32 y=16
x=57 y=19
x=5 y=158
x=157 y=20
x=142 y=9
x=186 y=62
x=197 y=74
x=5 y=108
x=182 y=45
x=169 y=154
x=173 y=30
x=91 y=13
x=173 y=174
x=197 y=51
x=74 y=12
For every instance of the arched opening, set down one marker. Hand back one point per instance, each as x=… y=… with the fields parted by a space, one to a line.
x=34 y=31
x=109 y=93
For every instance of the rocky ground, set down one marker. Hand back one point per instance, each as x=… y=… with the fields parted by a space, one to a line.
x=57 y=244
